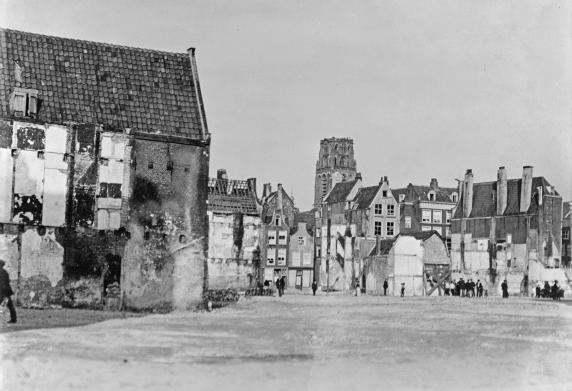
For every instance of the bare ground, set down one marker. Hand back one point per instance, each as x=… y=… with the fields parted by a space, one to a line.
x=307 y=343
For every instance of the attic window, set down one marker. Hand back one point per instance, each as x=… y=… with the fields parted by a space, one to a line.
x=384 y=193
x=431 y=196
x=455 y=197
x=24 y=102
x=401 y=197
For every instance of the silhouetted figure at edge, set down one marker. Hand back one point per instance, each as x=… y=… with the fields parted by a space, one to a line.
x=504 y=287
x=402 y=289
x=385 y=286
x=314 y=287
x=461 y=287
x=6 y=292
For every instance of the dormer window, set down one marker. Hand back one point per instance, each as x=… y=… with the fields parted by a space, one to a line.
x=431 y=196
x=455 y=197
x=401 y=197
x=24 y=102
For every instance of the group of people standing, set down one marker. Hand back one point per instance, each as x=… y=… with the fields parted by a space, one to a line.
x=554 y=292
x=464 y=288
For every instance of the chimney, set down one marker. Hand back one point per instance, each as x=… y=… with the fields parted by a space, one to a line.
x=501 y=190
x=358 y=176
x=434 y=184
x=525 y=189
x=221 y=174
x=266 y=190
x=279 y=200
x=468 y=193
x=383 y=179
x=386 y=180
x=252 y=185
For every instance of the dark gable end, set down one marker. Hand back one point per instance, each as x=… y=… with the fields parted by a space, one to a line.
x=118 y=87
x=340 y=192
x=365 y=197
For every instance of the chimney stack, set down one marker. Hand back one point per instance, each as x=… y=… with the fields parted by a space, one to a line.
x=501 y=190
x=525 y=189
x=279 y=199
x=266 y=190
x=221 y=174
x=358 y=176
x=434 y=184
x=252 y=185
x=468 y=193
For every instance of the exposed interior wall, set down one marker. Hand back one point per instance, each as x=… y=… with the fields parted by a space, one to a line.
x=164 y=264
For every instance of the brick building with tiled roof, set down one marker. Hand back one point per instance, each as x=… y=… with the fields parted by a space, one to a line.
x=105 y=152
x=510 y=227
x=426 y=208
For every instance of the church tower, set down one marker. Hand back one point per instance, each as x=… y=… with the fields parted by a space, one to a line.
x=335 y=164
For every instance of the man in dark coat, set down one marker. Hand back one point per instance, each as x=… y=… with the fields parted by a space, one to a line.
x=504 y=287
x=385 y=286
x=314 y=287
x=461 y=287
x=6 y=292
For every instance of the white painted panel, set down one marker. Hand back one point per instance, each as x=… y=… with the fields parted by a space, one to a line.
x=306 y=278
x=29 y=174
x=114 y=220
x=55 y=161
x=54 y=207
x=307 y=260
x=56 y=139
x=102 y=219
x=115 y=170
x=106 y=146
x=103 y=173
x=109 y=203
x=6 y=175
x=291 y=278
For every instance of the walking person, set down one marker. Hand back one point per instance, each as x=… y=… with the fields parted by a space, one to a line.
x=314 y=287
x=504 y=287
x=402 y=289
x=538 y=289
x=479 y=288
x=6 y=292
x=279 y=286
x=385 y=286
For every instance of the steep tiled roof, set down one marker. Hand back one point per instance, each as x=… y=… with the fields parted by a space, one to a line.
x=340 y=192
x=397 y=192
x=484 y=198
x=304 y=217
x=115 y=86
x=423 y=235
x=421 y=193
x=384 y=247
x=365 y=196
x=231 y=196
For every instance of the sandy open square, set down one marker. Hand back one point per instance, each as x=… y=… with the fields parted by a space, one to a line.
x=307 y=343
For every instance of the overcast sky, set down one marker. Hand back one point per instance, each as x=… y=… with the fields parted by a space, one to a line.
x=425 y=88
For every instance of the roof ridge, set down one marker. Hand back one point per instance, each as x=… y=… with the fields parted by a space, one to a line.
x=105 y=44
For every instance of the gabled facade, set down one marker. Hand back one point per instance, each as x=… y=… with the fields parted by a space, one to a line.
x=104 y=165
x=427 y=208
x=511 y=228
x=301 y=252
x=278 y=214
x=375 y=211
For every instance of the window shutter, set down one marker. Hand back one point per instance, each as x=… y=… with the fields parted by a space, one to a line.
x=32 y=105
x=19 y=104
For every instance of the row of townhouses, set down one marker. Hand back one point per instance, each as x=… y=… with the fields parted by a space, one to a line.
x=518 y=229
x=107 y=201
